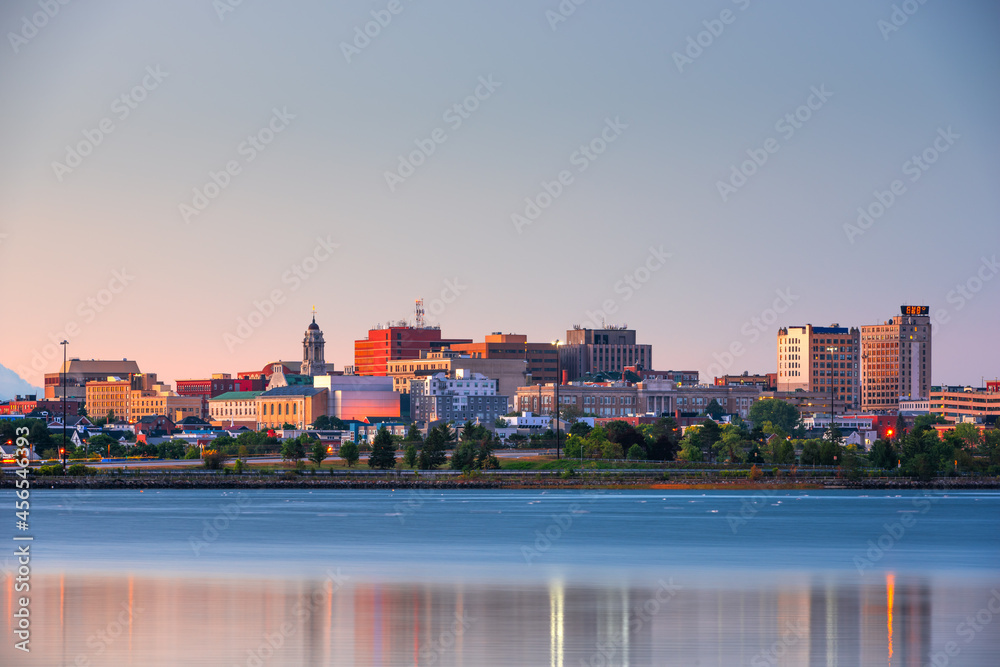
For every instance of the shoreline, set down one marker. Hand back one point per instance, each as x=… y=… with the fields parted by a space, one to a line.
x=519 y=482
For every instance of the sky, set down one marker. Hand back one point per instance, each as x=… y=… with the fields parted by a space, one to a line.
x=180 y=183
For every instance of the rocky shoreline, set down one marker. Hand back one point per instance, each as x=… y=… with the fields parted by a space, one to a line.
x=526 y=481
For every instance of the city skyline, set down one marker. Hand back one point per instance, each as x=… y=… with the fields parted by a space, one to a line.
x=689 y=176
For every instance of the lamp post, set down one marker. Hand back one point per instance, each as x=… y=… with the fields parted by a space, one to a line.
x=64 y=344
x=558 y=382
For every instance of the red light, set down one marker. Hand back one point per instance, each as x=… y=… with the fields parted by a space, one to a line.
x=889 y=432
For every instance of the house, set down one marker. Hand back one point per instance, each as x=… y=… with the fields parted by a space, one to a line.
x=156 y=425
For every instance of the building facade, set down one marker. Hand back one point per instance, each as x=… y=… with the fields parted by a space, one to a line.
x=767 y=382
x=958 y=403
x=299 y=406
x=383 y=345
x=608 y=350
x=459 y=397
x=820 y=359
x=541 y=359
x=896 y=359
x=81 y=371
x=359 y=396
x=621 y=399
x=234 y=408
x=511 y=374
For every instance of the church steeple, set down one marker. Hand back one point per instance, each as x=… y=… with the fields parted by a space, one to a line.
x=313 y=361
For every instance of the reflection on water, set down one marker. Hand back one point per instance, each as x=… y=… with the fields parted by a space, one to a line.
x=900 y=619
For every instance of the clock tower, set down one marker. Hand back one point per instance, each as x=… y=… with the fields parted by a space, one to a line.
x=313 y=362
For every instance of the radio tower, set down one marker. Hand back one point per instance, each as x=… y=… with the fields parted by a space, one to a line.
x=420 y=313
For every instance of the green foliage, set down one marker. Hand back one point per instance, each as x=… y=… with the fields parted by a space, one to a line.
x=49 y=470
x=636 y=453
x=781 y=452
x=714 y=410
x=349 y=452
x=413 y=434
x=663 y=439
x=464 y=456
x=883 y=455
x=214 y=459
x=410 y=455
x=810 y=453
x=293 y=450
x=383 y=454
x=690 y=446
x=317 y=453
x=192 y=453
x=239 y=466
x=79 y=469
x=173 y=449
x=432 y=454
x=781 y=414
x=579 y=428
x=327 y=422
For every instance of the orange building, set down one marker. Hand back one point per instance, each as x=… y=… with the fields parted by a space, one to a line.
x=896 y=359
x=542 y=358
x=373 y=354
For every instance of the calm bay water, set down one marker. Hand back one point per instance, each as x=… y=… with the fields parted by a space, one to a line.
x=510 y=577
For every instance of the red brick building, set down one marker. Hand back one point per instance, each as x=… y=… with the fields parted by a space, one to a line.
x=542 y=358
x=373 y=354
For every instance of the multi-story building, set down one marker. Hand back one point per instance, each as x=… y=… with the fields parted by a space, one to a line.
x=81 y=371
x=608 y=350
x=956 y=403
x=677 y=377
x=459 y=396
x=620 y=399
x=160 y=400
x=114 y=395
x=541 y=358
x=509 y=373
x=219 y=383
x=383 y=345
x=24 y=405
x=234 y=408
x=820 y=359
x=295 y=405
x=767 y=382
x=896 y=359
x=359 y=396
x=810 y=403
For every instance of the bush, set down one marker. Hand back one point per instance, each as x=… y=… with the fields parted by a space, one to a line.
x=192 y=453
x=636 y=453
x=79 y=469
x=45 y=471
x=214 y=459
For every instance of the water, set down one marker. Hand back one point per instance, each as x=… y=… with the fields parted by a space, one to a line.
x=275 y=577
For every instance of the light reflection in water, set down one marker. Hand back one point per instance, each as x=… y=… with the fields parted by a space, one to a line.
x=890 y=592
x=89 y=620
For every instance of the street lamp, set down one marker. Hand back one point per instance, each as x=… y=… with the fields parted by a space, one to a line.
x=64 y=344
x=558 y=382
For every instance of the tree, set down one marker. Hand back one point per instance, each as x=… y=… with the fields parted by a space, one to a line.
x=213 y=459
x=900 y=425
x=328 y=422
x=433 y=454
x=383 y=454
x=349 y=452
x=413 y=434
x=499 y=422
x=293 y=450
x=730 y=446
x=781 y=414
x=318 y=453
x=883 y=455
x=690 y=446
x=110 y=419
x=664 y=438
x=714 y=410
x=625 y=435
x=410 y=456
x=636 y=453
x=810 y=453
x=464 y=456
x=579 y=428
x=709 y=434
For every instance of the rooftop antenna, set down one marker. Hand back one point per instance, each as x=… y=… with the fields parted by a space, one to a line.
x=420 y=313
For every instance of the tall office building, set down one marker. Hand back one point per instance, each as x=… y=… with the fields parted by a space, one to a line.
x=896 y=359
x=384 y=344
x=602 y=350
x=820 y=359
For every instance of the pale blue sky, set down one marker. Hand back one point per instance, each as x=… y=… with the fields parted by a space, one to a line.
x=655 y=185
